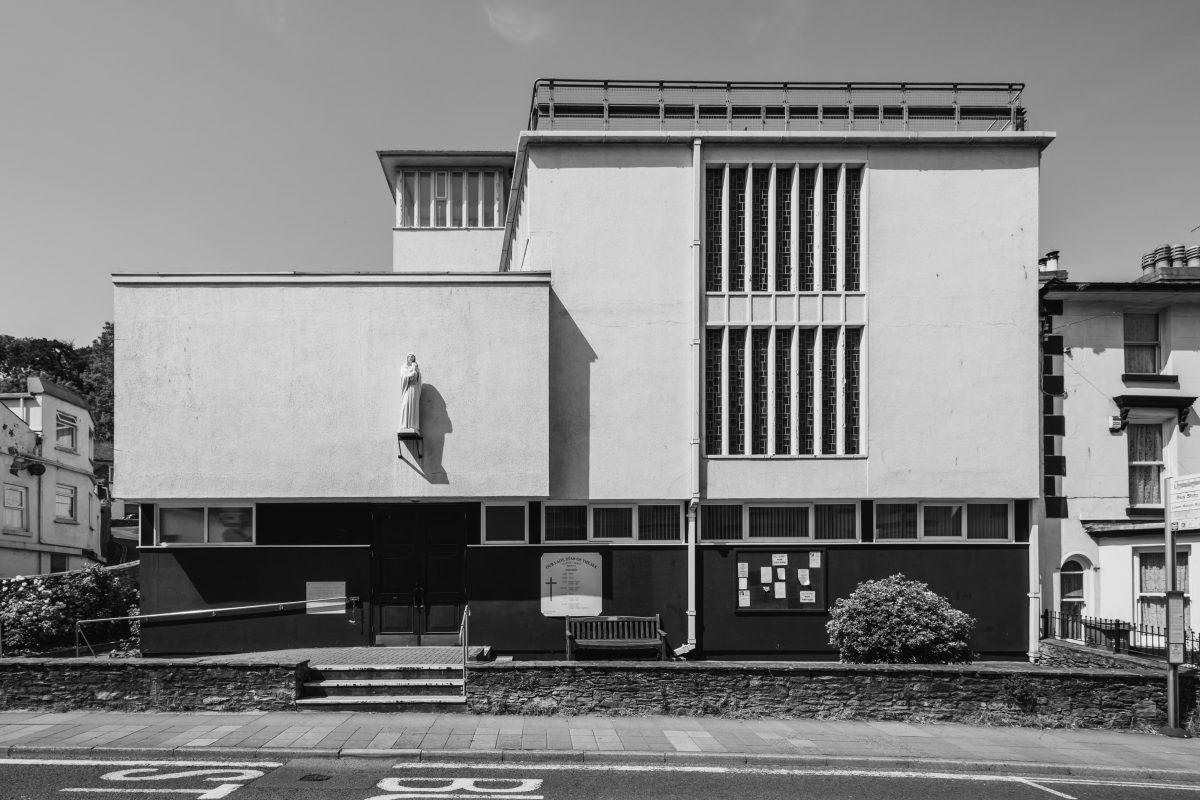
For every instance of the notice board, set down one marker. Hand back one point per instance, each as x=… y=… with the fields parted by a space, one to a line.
x=786 y=580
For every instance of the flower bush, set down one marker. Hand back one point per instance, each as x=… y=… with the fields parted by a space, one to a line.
x=899 y=621
x=38 y=613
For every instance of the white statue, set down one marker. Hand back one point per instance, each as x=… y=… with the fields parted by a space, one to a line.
x=410 y=396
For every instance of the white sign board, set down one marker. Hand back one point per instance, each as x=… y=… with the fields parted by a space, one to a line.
x=1176 y=623
x=1185 y=503
x=572 y=584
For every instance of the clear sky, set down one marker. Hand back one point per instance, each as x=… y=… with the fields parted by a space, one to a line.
x=164 y=136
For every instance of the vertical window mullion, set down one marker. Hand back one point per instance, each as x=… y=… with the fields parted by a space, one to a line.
x=795 y=384
x=479 y=200
x=772 y=223
x=497 y=219
x=747 y=390
x=748 y=233
x=818 y=390
x=725 y=245
x=841 y=228
x=466 y=180
x=725 y=449
x=841 y=392
x=818 y=237
x=771 y=378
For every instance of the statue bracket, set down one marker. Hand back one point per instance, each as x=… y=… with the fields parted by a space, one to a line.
x=411 y=436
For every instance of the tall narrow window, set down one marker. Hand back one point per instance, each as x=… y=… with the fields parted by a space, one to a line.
x=441 y=198
x=806 y=389
x=737 y=229
x=473 y=209
x=1145 y=464
x=850 y=421
x=737 y=391
x=714 y=178
x=1152 y=586
x=408 y=200
x=1141 y=344
x=66 y=431
x=829 y=390
x=853 y=234
x=1071 y=599
x=829 y=242
x=16 y=509
x=489 y=200
x=64 y=503
x=783 y=391
x=783 y=229
x=760 y=230
x=712 y=391
x=456 y=200
x=805 y=232
x=760 y=368
x=424 y=198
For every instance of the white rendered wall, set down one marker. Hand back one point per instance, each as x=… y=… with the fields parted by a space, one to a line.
x=614 y=226
x=1118 y=574
x=291 y=391
x=446 y=250
x=1097 y=481
x=951 y=351
x=951 y=346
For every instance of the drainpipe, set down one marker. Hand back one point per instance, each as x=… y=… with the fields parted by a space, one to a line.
x=1035 y=595
x=694 y=454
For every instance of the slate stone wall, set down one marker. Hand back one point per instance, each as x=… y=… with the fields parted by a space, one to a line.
x=1058 y=653
x=146 y=685
x=1018 y=694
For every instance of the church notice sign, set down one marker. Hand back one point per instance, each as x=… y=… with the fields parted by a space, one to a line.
x=572 y=584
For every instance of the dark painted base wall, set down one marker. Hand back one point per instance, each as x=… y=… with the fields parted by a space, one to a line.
x=989 y=582
x=188 y=578
x=504 y=590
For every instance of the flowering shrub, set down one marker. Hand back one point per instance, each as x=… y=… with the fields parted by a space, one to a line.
x=899 y=621
x=39 y=613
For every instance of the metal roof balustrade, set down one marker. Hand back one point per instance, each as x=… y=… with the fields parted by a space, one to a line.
x=590 y=105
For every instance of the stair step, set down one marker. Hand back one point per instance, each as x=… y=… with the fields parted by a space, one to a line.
x=348 y=672
x=358 y=688
x=385 y=703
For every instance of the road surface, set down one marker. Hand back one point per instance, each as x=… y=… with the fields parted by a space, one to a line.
x=210 y=778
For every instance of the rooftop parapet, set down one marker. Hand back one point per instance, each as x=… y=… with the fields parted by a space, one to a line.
x=570 y=104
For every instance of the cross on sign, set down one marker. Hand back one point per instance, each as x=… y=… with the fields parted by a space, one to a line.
x=550 y=582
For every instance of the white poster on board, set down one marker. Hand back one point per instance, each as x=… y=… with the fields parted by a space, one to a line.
x=572 y=584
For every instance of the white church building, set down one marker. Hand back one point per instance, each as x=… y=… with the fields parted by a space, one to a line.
x=723 y=349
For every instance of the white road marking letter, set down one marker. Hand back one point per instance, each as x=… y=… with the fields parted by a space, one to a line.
x=152 y=774
x=478 y=785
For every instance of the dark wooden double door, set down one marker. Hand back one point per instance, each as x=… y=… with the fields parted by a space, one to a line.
x=419 y=573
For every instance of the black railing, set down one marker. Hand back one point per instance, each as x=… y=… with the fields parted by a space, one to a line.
x=573 y=104
x=1117 y=636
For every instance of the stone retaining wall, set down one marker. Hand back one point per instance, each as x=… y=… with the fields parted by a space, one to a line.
x=146 y=684
x=1059 y=653
x=1019 y=694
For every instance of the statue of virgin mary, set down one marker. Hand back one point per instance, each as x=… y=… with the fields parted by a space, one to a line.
x=410 y=396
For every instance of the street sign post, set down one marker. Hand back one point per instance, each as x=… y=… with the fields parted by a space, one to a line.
x=1181 y=511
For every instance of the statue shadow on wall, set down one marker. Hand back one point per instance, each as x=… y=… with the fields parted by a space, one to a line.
x=435 y=424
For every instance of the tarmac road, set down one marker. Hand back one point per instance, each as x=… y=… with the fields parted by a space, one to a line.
x=134 y=778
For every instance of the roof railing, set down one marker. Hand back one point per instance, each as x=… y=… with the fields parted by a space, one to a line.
x=630 y=105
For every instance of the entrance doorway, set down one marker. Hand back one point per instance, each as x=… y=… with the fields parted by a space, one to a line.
x=419 y=575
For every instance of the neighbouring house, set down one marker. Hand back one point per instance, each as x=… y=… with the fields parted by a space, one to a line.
x=118 y=526
x=51 y=511
x=1121 y=373
x=716 y=352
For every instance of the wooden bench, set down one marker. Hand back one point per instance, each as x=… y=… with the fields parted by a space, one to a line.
x=618 y=633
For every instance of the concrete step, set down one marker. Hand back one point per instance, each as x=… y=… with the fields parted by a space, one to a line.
x=375 y=687
x=384 y=703
x=359 y=672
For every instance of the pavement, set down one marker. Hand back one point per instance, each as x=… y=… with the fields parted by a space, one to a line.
x=646 y=740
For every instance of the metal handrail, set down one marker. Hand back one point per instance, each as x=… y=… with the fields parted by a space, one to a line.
x=464 y=629
x=352 y=602
x=869 y=103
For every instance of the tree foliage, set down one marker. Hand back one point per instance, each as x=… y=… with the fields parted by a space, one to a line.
x=87 y=371
x=899 y=621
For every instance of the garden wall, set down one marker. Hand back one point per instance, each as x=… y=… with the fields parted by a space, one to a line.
x=1016 y=694
x=1058 y=653
x=147 y=685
